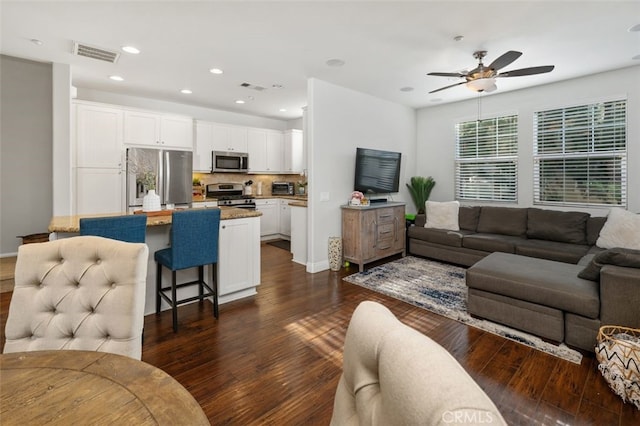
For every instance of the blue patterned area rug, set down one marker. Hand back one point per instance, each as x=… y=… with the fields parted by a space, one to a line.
x=440 y=288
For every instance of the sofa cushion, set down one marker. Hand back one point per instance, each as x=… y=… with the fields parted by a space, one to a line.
x=546 y=282
x=503 y=220
x=594 y=226
x=438 y=236
x=614 y=256
x=566 y=227
x=442 y=215
x=552 y=250
x=491 y=242
x=622 y=229
x=468 y=217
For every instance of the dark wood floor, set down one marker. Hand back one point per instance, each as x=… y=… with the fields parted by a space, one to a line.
x=276 y=358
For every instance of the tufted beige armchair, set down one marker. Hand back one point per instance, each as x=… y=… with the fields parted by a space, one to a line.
x=394 y=375
x=80 y=293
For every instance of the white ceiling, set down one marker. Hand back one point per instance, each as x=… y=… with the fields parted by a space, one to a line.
x=386 y=45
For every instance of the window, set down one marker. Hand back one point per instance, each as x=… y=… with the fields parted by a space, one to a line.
x=580 y=155
x=486 y=159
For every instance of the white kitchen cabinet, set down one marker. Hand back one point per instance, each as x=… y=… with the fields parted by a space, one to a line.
x=285 y=218
x=270 y=219
x=99 y=190
x=299 y=234
x=275 y=145
x=203 y=147
x=265 y=149
x=239 y=265
x=257 y=149
x=293 y=150
x=158 y=130
x=98 y=136
x=229 y=138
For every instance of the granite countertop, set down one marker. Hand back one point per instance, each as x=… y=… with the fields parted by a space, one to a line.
x=298 y=204
x=72 y=223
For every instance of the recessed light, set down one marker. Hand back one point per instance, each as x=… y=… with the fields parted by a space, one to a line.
x=406 y=89
x=36 y=42
x=131 y=49
x=186 y=91
x=116 y=78
x=215 y=71
x=458 y=38
x=636 y=58
x=335 y=62
x=277 y=86
x=239 y=101
x=283 y=110
x=635 y=28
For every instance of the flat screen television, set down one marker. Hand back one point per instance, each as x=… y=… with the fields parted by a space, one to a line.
x=377 y=172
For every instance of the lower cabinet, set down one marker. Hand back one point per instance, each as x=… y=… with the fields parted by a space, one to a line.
x=99 y=191
x=285 y=218
x=372 y=232
x=239 y=258
x=270 y=219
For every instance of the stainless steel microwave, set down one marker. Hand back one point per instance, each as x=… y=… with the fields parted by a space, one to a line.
x=229 y=161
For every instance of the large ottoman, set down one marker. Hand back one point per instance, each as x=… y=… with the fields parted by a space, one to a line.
x=531 y=294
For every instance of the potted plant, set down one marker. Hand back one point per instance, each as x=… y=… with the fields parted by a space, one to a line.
x=420 y=189
x=302 y=185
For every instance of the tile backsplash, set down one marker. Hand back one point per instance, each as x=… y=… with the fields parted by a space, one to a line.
x=267 y=180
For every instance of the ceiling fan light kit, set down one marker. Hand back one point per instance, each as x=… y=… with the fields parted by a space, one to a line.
x=482 y=85
x=483 y=78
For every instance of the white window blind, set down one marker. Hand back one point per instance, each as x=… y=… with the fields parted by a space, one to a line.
x=580 y=155
x=486 y=159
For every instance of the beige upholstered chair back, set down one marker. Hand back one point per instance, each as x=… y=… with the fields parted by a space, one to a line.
x=81 y=293
x=393 y=375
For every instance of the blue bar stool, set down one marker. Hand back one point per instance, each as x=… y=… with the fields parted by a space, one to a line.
x=194 y=243
x=130 y=228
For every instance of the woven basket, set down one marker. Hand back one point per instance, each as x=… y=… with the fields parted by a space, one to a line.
x=618 y=352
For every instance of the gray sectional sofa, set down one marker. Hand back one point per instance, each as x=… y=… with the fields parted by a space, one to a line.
x=524 y=266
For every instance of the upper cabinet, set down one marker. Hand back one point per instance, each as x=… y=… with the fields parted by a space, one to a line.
x=216 y=137
x=98 y=133
x=158 y=130
x=265 y=151
x=293 y=150
x=229 y=138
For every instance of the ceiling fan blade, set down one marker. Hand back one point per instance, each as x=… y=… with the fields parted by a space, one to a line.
x=446 y=87
x=446 y=74
x=527 y=71
x=505 y=59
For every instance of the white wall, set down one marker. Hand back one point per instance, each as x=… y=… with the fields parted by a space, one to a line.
x=198 y=113
x=25 y=150
x=436 y=129
x=338 y=121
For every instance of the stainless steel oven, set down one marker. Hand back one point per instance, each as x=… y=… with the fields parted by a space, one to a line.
x=229 y=161
x=230 y=195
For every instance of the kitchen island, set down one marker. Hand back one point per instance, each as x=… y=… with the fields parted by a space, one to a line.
x=238 y=271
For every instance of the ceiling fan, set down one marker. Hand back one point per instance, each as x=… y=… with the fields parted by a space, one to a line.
x=482 y=78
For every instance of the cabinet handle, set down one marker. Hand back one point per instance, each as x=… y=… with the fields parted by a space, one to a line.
x=384 y=215
x=224 y=226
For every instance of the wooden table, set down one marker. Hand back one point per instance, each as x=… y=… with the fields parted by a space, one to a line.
x=78 y=387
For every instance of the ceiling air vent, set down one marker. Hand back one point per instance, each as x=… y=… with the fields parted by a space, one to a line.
x=253 y=87
x=93 y=52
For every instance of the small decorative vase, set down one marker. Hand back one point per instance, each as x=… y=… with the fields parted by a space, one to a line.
x=335 y=253
x=151 y=202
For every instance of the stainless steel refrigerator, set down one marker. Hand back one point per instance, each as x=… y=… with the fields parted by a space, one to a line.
x=169 y=171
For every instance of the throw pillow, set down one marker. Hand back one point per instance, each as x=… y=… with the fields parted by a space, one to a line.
x=615 y=256
x=565 y=227
x=622 y=229
x=442 y=215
